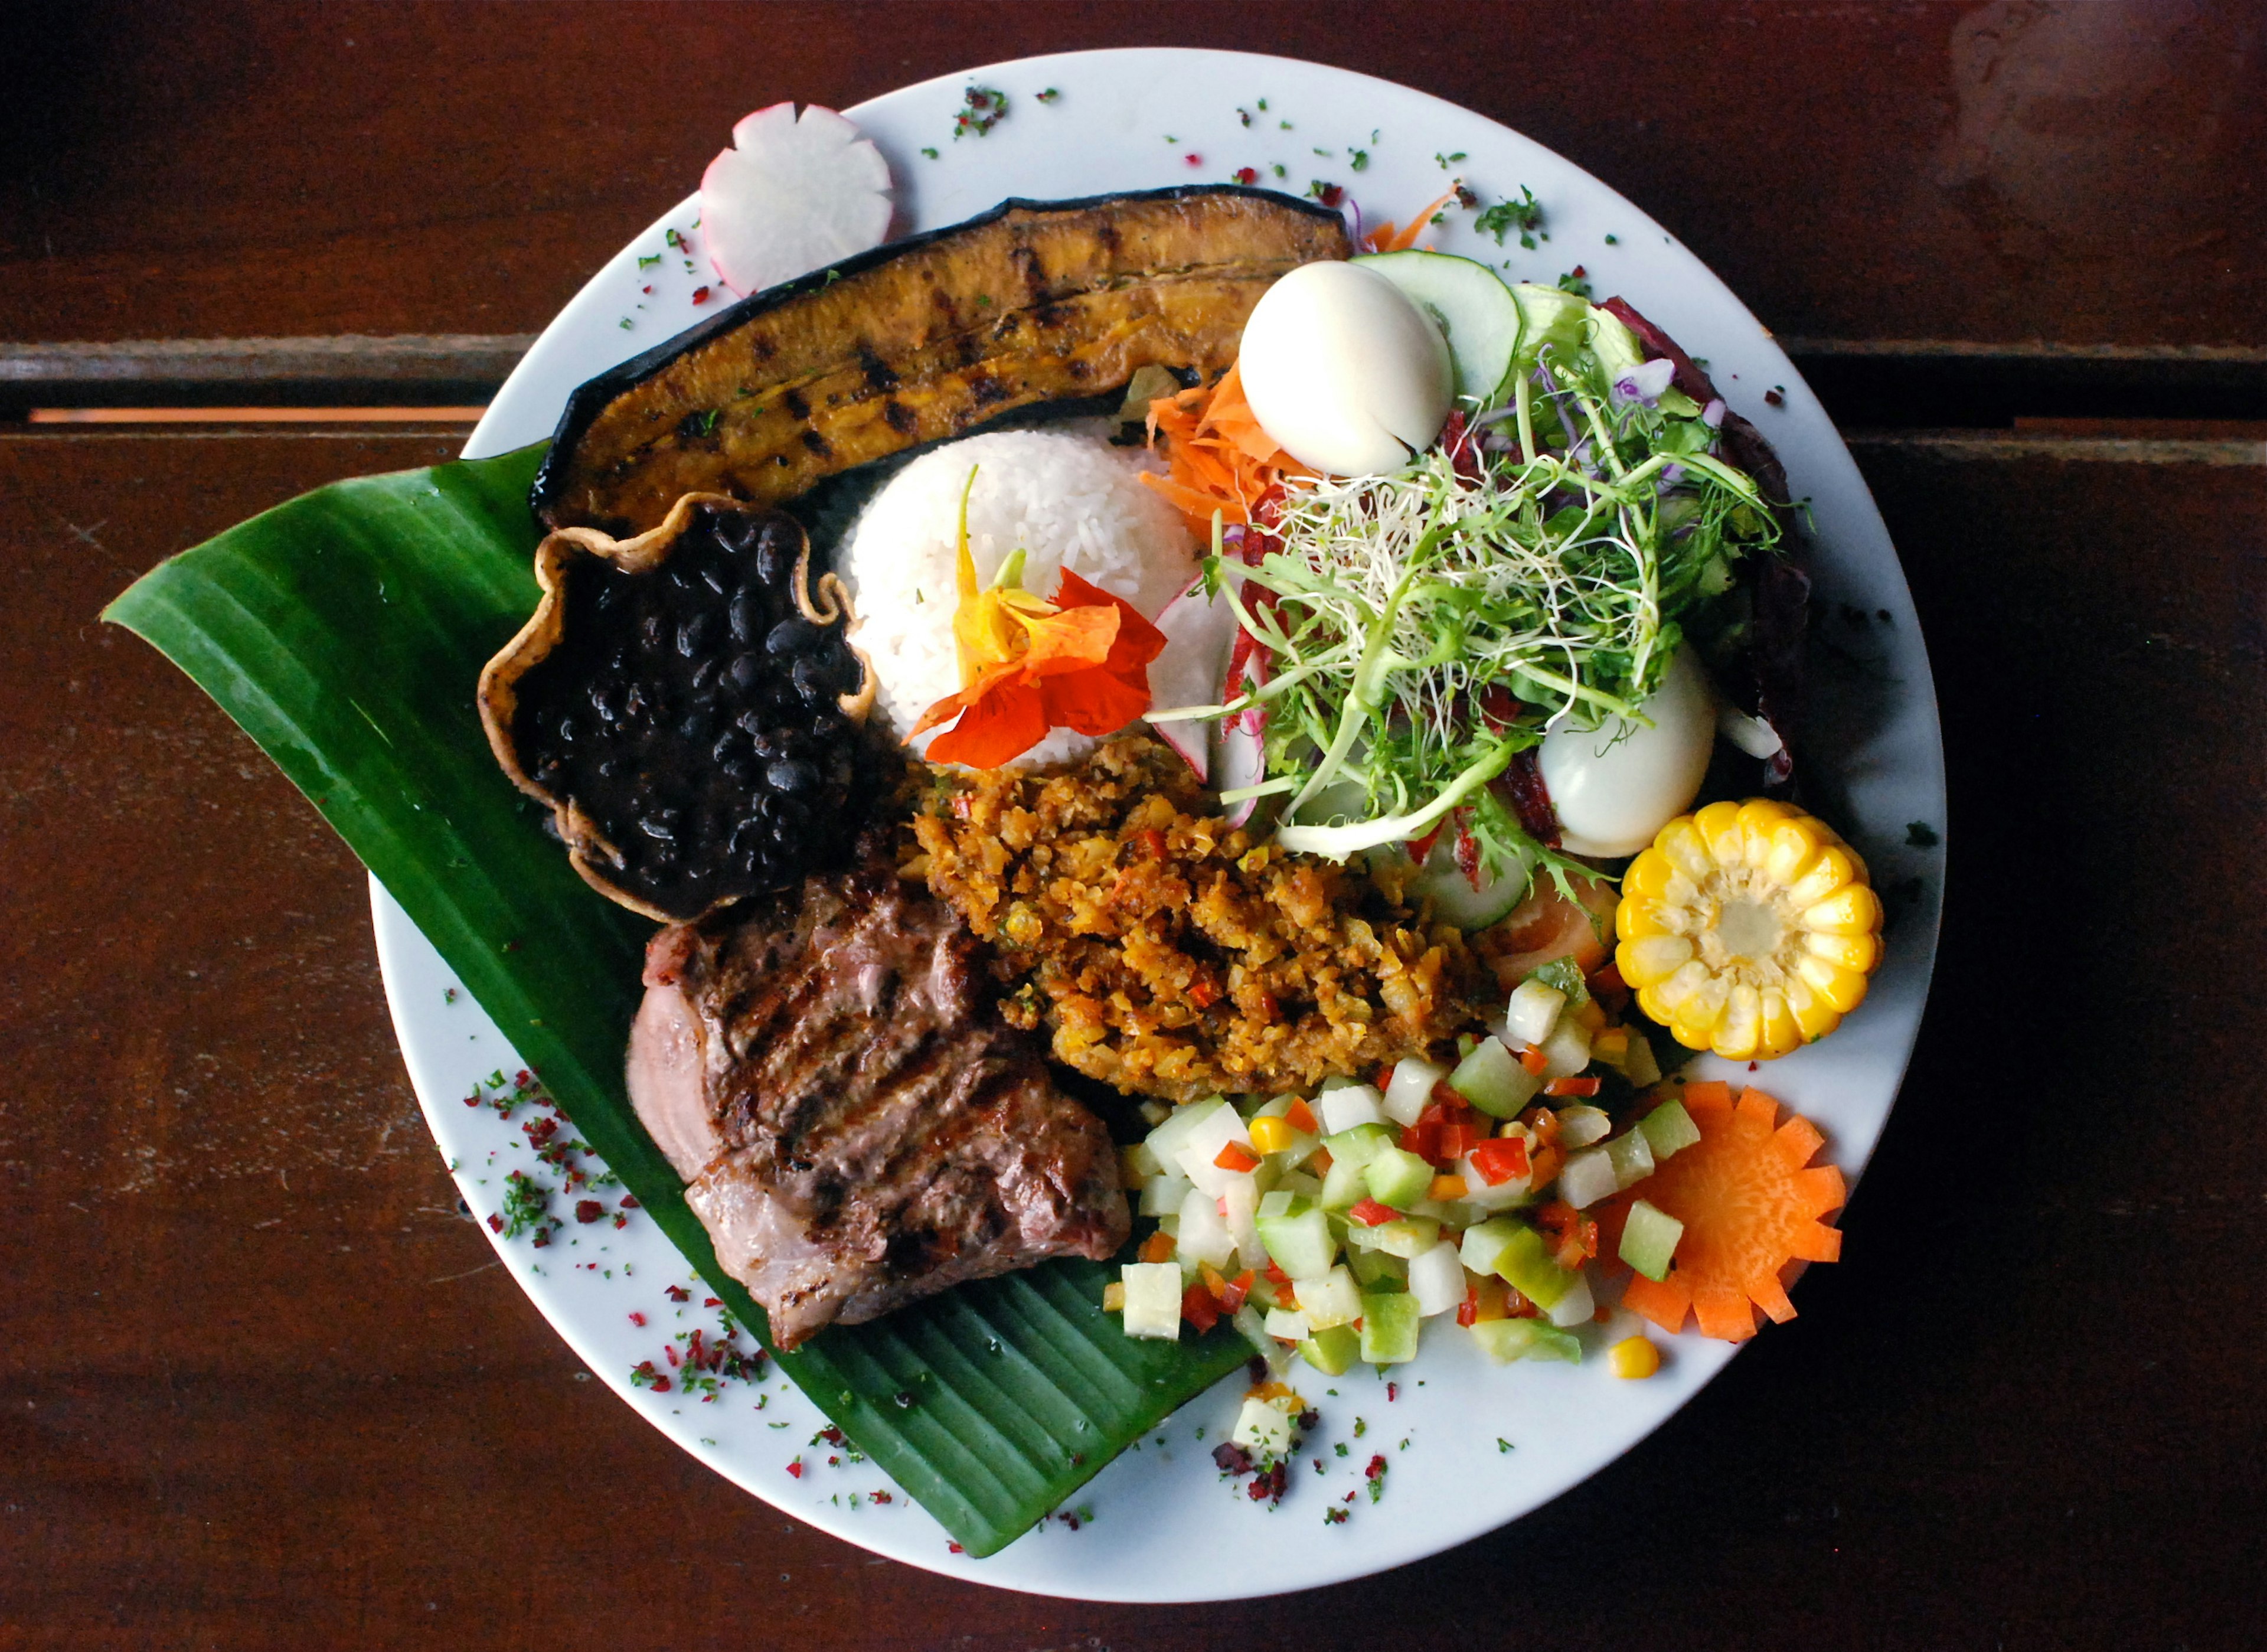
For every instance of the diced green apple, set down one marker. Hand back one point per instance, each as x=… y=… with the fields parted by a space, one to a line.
x=1332 y=1349
x=1390 y=1327
x=1301 y=1242
x=1509 y=1340
x=1632 y=1157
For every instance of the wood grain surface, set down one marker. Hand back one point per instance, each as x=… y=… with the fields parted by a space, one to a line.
x=262 y=1382
x=261 y=1373
x=2084 y=173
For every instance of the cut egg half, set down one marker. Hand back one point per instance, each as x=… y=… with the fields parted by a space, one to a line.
x=1344 y=372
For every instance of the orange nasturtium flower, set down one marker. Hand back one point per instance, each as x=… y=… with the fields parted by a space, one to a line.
x=1027 y=666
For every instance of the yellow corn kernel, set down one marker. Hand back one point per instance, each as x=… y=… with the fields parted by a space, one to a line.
x=1447 y=1188
x=1113 y=1296
x=1633 y=1358
x=1748 y=928
x=1272 y=1135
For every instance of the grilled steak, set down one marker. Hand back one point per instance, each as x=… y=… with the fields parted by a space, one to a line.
x=855 y=1128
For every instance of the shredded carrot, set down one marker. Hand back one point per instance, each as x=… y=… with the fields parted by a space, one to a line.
x=1386 y=239
x=1217 y=456
x=1750 y=1208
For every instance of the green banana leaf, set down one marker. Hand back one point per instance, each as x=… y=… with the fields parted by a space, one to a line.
x=344 y=631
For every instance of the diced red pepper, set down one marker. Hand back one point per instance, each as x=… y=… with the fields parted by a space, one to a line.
x=1301 y=1118
x=1199 y=1308
x=1574 y=1235
x=1276 y=1275
x=1203 y=993
x=1459 y=1138
x=1468 y=1311
x=1500 y=1158
x=1534 y=1060
x=1233 y=1294
x=1571 y=1087
x=1423 y=1138
x=1370 y=1214
x=1237 y=1156
x=1154 y=840
x=1158 y=1247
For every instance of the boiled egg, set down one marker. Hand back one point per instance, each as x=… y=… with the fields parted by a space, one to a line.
x=1614 y=786
x=1344 y=371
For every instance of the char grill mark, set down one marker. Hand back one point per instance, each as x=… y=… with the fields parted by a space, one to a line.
x=863 y=1132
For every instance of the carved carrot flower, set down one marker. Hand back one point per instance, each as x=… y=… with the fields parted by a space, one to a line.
x=1027 y=665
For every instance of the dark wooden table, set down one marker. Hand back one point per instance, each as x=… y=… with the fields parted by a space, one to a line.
x=260 y=1383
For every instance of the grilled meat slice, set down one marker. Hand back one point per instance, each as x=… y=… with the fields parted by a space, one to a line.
x=855 y=1128
x=922 y=339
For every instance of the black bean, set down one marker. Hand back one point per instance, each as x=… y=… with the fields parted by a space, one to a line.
x=813 y=681
x=781 y=700
x=730 y=744
x=703 y=672
x=747 y=613
x=750 y=721
x=697 y=727
x=787 y=773
x=748 y=835
x=692 y=635
x=776 y=552
x=796 y=635
x=746 y=671
x=654 y=827
x=566 y=730
x=740 y=772
x=712 y=576
x=767 y=746
x=649 y=633
x=602 y=701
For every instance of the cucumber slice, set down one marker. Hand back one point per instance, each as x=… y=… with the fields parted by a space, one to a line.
x=1471 y=306
x=1398 y=1177
x=1332 y=1351
x=1390 y=1327
x=1649 y=1239
x=1446 y=884
x=1549 y=316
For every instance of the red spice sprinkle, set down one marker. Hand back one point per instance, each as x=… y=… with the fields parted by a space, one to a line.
x=712 y=1302
x=1376 y=1468
x=796 y=1469
x=1771 y=398
x=629 y=1202
x=834 y=1461
x=677 y=1293
x=588 y=1210
x=1392 y=1392
x=542 y=1237
x=1247 y=175
x=1196 y=160
x=636 y=1318
x=672 y=1352
x=496 y=1224
x=621 y=1221
x=955 y=1548
x=881 y=1497
x=661 y=1384
x=700 y=295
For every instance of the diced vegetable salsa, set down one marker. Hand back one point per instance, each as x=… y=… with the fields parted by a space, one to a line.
x=1471 y=1191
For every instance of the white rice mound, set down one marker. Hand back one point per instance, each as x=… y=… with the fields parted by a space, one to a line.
x=1067 y=501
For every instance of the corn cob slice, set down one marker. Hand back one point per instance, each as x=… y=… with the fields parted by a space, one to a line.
x=1748 y=928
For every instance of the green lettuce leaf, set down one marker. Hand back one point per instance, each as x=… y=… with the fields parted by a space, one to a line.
x=344 y=631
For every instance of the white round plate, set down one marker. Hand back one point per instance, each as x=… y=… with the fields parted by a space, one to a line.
x=1467 y=1445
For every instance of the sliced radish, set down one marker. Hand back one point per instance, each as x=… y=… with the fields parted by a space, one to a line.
x=1243 y=754
x=1200 y=630
x=792 y=196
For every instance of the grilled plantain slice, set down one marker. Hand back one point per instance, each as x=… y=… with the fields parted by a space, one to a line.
x=922 y=339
